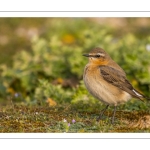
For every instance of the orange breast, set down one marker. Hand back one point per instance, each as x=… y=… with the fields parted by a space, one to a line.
x=99 y=62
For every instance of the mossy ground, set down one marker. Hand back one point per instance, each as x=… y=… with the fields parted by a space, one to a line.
x=42 y=119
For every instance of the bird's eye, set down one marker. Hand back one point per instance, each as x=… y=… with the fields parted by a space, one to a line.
x=98 y=55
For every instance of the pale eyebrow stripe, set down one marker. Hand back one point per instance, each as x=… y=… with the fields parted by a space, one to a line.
x=94 y=54
x=101 y=54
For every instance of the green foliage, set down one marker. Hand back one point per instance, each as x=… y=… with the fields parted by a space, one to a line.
x=46 y=90
x=58 y=54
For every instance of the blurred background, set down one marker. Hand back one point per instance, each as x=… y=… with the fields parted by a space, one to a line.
x=41 y=58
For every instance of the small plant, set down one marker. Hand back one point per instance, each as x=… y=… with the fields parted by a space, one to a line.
x=50 y=92
x=66 y=125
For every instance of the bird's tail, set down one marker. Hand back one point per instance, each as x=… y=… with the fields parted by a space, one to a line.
x=139 y=95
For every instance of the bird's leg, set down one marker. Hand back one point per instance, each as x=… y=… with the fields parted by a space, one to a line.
x=102 y=112
x=113 y=117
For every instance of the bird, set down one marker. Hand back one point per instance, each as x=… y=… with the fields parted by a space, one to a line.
x=107 y=81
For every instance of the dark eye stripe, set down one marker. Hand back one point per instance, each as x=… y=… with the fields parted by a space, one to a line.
x=97 y=56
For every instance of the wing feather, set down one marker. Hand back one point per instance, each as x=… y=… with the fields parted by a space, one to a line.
x=118 y=79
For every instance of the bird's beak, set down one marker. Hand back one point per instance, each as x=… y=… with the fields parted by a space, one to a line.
x=86 y=55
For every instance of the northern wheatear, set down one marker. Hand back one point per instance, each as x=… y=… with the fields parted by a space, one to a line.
x=107 y=81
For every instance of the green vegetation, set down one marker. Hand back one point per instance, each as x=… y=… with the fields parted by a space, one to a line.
x=70 y=118
x=41 y=74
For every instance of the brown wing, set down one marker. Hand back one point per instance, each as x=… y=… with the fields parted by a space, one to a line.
x=119 y=80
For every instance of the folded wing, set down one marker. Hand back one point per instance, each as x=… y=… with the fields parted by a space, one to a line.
x=118 y=79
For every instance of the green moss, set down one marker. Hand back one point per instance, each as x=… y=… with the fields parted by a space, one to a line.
x=27 y=119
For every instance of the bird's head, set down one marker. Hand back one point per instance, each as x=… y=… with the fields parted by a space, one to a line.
x=98 y=56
